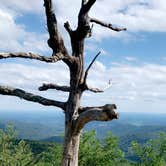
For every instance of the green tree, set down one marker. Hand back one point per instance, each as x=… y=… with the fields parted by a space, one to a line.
x=94 y=152
x=12 y=153
x=113 y=155
x=51 y=157
x=153 y=153
x=23 y=155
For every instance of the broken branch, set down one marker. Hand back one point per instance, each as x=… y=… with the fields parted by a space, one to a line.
x=87 y=70
x=68 y=28
x=110 y=26
x=103 y=113
x=95 y=90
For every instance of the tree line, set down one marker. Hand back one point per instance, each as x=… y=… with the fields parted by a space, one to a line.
x=93 y=151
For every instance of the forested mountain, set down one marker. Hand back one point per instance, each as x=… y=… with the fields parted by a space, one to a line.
x=43 y=126
x=93 y=151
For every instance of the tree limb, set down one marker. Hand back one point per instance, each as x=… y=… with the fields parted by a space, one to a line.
x=95 y=90
x=84 y=2
x=84 y=28
x=103 y=113
x=87 y=70
x=55 y=41
x=57 y=57
x=86 y=5
x=84 y=85
x=68 y=28
x=5 y=90
x=45 y=87
x=110 y=26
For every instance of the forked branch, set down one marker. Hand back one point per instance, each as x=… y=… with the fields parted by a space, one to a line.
x=45 y=87
x=87 y=4
x=5 y=90
x=103 y=113
x=84 y=28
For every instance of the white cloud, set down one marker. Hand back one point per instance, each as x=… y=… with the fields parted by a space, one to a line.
x=29 y=77
x=14 y=37
x=23 y=5
x=136 y=15
x=129 y=83
x=32 y=75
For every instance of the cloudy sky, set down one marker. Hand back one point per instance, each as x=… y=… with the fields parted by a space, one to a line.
x=134 y=61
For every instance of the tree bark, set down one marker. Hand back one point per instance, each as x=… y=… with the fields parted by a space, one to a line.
x=71 y=147
x=75 y=115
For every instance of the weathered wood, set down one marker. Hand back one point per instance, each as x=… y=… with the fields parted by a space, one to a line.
x=55 y=42
x=57 y=57
x=102 y=113
x=87 y=70
x=45 y=87
x=107 y=25
x=6 y=90
x=71 y=147
x=75 y=116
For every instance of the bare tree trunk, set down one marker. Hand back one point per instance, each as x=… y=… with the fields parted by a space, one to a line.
x=75 y=115
x=71 y=147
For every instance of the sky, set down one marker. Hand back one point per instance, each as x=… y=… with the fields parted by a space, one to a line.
x=134 y=61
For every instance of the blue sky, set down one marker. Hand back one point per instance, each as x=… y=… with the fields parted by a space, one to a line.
x=135 y=60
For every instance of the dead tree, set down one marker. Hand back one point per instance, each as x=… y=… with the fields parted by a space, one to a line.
x=75 y=115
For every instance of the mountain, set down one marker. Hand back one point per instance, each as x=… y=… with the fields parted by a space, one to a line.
x=49 y=126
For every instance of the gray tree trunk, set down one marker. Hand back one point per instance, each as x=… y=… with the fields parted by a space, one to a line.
x=71 y=147
x=76 y=116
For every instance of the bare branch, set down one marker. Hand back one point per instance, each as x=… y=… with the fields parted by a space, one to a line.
x=87 y=70
x=110 y=26
x=45 y=87
x=84 y=29
x=92 y=61
x=68 y=28
x=103 y=113
x=55 y=41
x=30 y=55
x=87 y=4
x=84 y=2
x=5 y=90
x=95 y=90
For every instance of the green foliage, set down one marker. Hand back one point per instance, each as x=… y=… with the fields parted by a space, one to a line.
x=153 y=153
x=51 y=157
x=94 y=152
x=12 y=154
